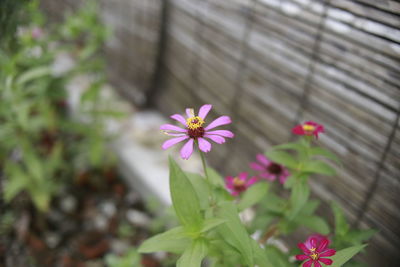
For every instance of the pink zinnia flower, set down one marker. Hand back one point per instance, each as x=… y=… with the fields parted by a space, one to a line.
x=269 y=170
x=194 y=131
x=308 y=128
x=37 y=33
x=239 y=184
x=315 y=250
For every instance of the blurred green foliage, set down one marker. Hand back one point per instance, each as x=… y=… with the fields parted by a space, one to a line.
x=42 y=147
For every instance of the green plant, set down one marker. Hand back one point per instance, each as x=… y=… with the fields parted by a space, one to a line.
x=45 y=146
x=129 y=259
x=210 y=225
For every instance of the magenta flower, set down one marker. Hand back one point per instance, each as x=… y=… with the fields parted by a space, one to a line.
x=315 y=250
x=239 y=184
x=269 y=170
x=308 y=128
x=37 y=32
x=195 y=132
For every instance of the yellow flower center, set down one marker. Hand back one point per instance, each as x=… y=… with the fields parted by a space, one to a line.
x=308 y=128
x=238 y=182
x=194 y=122
x=314 y=255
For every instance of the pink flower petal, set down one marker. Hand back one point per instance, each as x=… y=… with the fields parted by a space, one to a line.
x=173 y=141
x=230 y=188
x=322 y=246
x=216 y=138
x=204 y=111
x=313 y=242
x=317 y=264
x=318 y=238
x=204 y=145
x=170 y=127
x=189 y=112
x=251 y=181
x=301 y=257
x=224 y=133
x=312 y=123
x=257 y=167
x=326 y=261
x=308 y=263
x=263 y=159
x=268 y=176
x=180 y=118
x=328 y=253
x=283 y=178
x=303 y=248
x=218 y=122
x=243 y=176
x=229 y=179
x=187 y=149
x=298 y=129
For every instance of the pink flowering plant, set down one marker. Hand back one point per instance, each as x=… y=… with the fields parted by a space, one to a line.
x=269 y=170
x=208 y=206
x=238 y=184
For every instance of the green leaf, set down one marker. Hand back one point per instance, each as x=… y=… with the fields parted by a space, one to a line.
x=33 y=164
x=221 y=195
x=292 y=146
x=111 y=113
x=215 y=178
x=194 y=254
x=314 y=223
x=174 y=240
x=282 y=157
x=41 y=200
x=200 y=186
x=253 y=195
x=129 y=259
x=358 y=236
x=233 y=231
x=320 y=167
x=211 y=223
x=310 y=207
x=276 y=256
x=298 y=198
x=16 y=184
x=221 y=250
x=274 y=203
x=344 y=255
x=260 y=257
x=323 y=152
x=291 y=180
x=341 y=225
x=184 y=198
x=34 y=73
x=92 y=92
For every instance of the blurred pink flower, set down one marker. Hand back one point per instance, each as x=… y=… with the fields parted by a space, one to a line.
x=315 y=250
x=269 y=170
x=239 y=184
x=194 y=131
x=308 y=128
x=37 y=32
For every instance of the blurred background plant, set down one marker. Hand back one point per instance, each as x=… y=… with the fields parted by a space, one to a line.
x=44 y=146
x=62 y=200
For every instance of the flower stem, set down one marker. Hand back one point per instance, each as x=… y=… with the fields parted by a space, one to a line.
x=203 y=161
x=271 y=231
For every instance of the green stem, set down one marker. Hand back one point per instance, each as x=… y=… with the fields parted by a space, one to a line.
x=203 y=161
